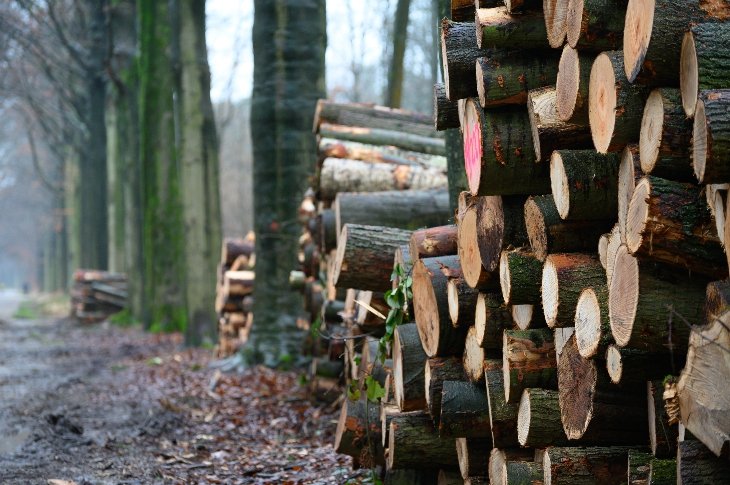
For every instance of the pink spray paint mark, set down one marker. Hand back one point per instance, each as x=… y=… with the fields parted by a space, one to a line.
x=473 y=155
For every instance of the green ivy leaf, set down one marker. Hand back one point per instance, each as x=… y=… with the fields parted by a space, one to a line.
x=353 y=391
x=374 y=390
x=357 y=359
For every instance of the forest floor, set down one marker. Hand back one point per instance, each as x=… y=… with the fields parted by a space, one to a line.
x=98 y=404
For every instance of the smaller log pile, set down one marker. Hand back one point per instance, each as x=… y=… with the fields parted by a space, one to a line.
x=96 y=295
x=234 y=294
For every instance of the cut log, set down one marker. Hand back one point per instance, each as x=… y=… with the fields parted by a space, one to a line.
x=445 y=112
x=716 y=201
x=383 y=137
x=665 y=137
x=584 y=184
x=632 y=368
x=462 y=302
x=413 y=442
x=528 y=360
x=499 y=156
x=497 y=28
x=431 y=307
x=500 y=459
x=459 y=54
x=548 y=233
x=697 y=465
x=490 y=319
x=519 y=277
x=615 y=106
x=669 y=222
x=238 y=283
x=717 y=300
x=371 y=116
x=595 y=25
x=437 y=371
x=704 y=403
x=549 y=132
x=704 y=62
x=586 y=466
x=364 y=256
x=592 y=325
x=402 y=209
x=475 y=274
x=409 y=362
x=571 y=86
x=522 y=472
x=556 y=26
x=538 y=419
x=662 y=435
x=528 y=316
x=502 y=415
x=472 y=454
x=641 y=306
x=564 y=277
x=711 y=137
x=327 y=230
x=464 y=411
x=358 y=431
x=614 y=243
x=333 y=148
x=433 y=241
x=232 y=248
x=629 y=174
x=505 y=76
x=474 y=356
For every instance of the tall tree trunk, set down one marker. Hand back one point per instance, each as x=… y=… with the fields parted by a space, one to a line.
x=395 y=73
x=286 y=32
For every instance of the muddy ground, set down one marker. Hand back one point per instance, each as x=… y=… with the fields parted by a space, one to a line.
x=101 y=404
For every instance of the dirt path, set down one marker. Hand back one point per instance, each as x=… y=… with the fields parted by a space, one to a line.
x=100 y=404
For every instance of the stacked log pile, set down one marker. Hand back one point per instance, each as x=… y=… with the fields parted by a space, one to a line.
x=577 y=331
x=96 y=295
x=234 y=294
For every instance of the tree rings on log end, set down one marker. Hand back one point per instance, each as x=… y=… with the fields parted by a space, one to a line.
x=688 y=74
x=637 y=215
x=700 y=140
x=568 y=83
x=577 y=378
x=588 y=323
x=623 y=296
x=638 y=25
x=650 y=137
x=602 y=100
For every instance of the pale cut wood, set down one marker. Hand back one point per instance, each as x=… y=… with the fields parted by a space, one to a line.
x=614 y=242
x=431 y=145
x=564 y=277
x=409 y=361
x=697 y=465
x=462 y=302
x=710 y=137
x=555 y=13
x=519 y=276
x=592 y=325
x=629 y=174
x=571 y=86
x=491 y=317
x=474 y=356
x=704 y=61
x=584 y=184
x=500 y=458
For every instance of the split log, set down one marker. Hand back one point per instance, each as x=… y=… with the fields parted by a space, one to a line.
x=364 y=256
x=632 y=368
x=433 y=241
x=584 y=184
x=462 y=302
x=615 y=106
x=459 y=54
x=704 y=62
x=464 y=411
x=409 y=362
x=663 y=435
x=371 y=116
x=430 y=145
x=717 y=300
x=519 y=276
x=490 y=319
x=413 y=442
x=497 y=28
x=586 y=466
x=595 y=25
x=669 y=222
x=333 y=148
x=358 y=431
x=697 y=465
x=528 y=316
x=519 y=458
x=538 y=419
x=505 y=76
x=548 y=233
x=665 y=137
x=431 y=306
x=549 y=132
x=641 y=306
x=528 y=360
x=472 y=454
x=711 y=137
x=571 y=86
x=702 y=388
x=629 y=174
x=564 y=277
x=445 y=112
x=232 y=248
x=437 y=371
x=474 y=356
x=556 y=26
x=592 y=325
x=401 y=209
x=502 y=415
x=499 y=155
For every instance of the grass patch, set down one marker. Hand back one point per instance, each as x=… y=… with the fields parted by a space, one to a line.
x=27 y=310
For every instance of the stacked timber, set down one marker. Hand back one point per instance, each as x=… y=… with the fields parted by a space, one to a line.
x=234 y=294
x=578 y=331
x=96 y=295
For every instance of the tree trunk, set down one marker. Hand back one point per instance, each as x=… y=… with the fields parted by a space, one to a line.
x=358 y=431
x=564 y=277
x=432 y=242
x=571 y=86
x=413 y=442
x=704 y=61
x=528 y=360
x=462 y=302
x=629 y=174
x=710 y=148
x=459 y=55
x=365 y=256
x=538 y=419
x=409 y=361
x=502 y=415
x=491 y=317
x=592 y=325
x=595 y=25
x=464 y=411
x=438 y=370
x=697 y=465
x=519 y=276
x=400 y=35
x=445 y=112
x=505 y=76
x=662 y=435
x=430 y=145
x=556 y=26
x=472 y=454
x=333 y=148
x=498 y=29
x=586 y=466
x=363 y=115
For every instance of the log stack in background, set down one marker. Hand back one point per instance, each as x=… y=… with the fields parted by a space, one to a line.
x=96 y=295
x=576 y=330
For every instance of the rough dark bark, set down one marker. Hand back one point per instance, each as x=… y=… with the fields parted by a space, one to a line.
x=662 y=435
x=428 y=144
x=717 y=300
x=697 y=465
x=586 y=466
x=538 y=419
x=327 y=230
x=595 y=25
x=520 y=272
x=704 y=61
x=365 y=115
x=528 y=360
x=413 y=442
x=445 y=112
x=459 y=55
x=462 y=302
x=472 y=454
x=408 y=368
x=502 y=415
x=333 y=148
x=631 y=368
x=520 y=458
x=711 y=129
x=498 y=29
x=564 y=277
x=437 y=371
x=358 y=431
x=505 y=76
x=464 y=411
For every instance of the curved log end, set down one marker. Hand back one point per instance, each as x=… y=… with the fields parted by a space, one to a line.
x=638 y=25
x=568 y=82
x=559 y=185
x=623 y=296
x=588 y=323
x=602 y=102
x=650 y=137
x=700 y=140
x=472 y=133
x=688 y=74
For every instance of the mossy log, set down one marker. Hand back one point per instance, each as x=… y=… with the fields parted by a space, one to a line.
x=459 y=54
x=571 y=86
x=358 y=431
x=662 y=472
x=639 y=467
x=704 y=61
x=462 y=301
x=592 y=325
x=584 y=184
x=414 y=442
x=520 y=272
x=586 y=465
x=564 y=277
x=431 y=145
x=437 y=371
x=502 y=415
x=538 y=419
x=464 y=411
x=629 y=174
x=711 y=137
x=663 y=435
x=491 y=317
x=595 y=25
x=431 y=242
x=445 y=111
x=505 y=76
x=528 y=360
x=696 y=464
x=473 y=456
x=409 y=361
x=497 y=28
x=371 y=116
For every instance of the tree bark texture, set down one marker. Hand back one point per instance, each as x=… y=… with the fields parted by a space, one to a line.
x=464 y=411
x=505 y=76
x=584 y=184
x=704 y=61
x=459 y=55
x=364 y=115
x=433 y=241
x=462 y=302
x=491 y=317
x=528 y=360
x=564 y=277
x=571 y=86
x=445 y=112
x=333 y=148
x=520 y=273
x=595 y=25
x=358 y=430
x=430 y=145
x=472 y=454
x=496 y=28
x=437 y=371
x=415 y=443
x=696 y=464
x=502 y=415
x=710 y=148
x=409 y=360
x=586 y=466
x=538 y=419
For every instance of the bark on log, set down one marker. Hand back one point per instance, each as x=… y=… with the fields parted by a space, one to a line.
x=437 y=371
x=472 y=454
x=490 y=319
x=595 y=25
x=662 y=472
x=562 y=336
x=639 y=467
x=521 y=472
x=528 y=360
x=629 y=174
x=632 y=368
x=462 y=302
x=433 y=241
x=586 y=466
x=717 y=300
x=697 y=465
x=500 y=459
x=502 y=415
x=665 y=137
x=548 y=233
x=592 y=325
x=564 y=277
x=445 y=112
x=333 y=148
x=499 y=155
x=669 y=222
x=520 y=272
x=711 y=137
x=459 y=54
x=615 y=106
x=538 y=419
x=584 y=184
x=371 y=116
x=431 y=307
x=641 y=306
x=413 y=442
x=358 y=431
x=549 y=132
x=474 y=357
x=409 y=362
x=528 y=316
x=663 y=436
x=556 y=26
x=327 y=230
x=430 y=145
x=505 y=76
x=497 y=28
x=464 y=411
x=238 y=283
x=704 y=62
x=571 y=86
x=475 y=274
